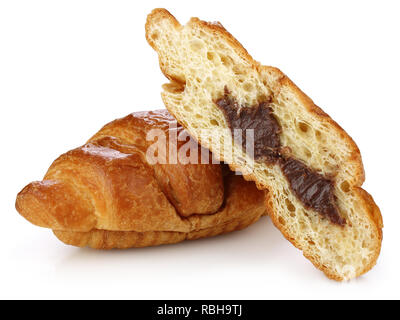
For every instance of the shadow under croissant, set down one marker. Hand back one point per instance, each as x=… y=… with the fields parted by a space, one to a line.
x=260 y=246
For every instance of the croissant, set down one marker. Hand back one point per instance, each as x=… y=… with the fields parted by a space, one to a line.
x=310 y=166
x=106 y=194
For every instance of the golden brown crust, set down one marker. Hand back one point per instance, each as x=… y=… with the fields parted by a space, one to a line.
x=179 y=182
x=105 y=240
x=44 y=203
x=237 y=214
x=105 y=194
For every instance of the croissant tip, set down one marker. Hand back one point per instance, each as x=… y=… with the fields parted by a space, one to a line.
x=29 y=200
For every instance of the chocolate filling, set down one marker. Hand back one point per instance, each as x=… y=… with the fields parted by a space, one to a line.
x=266 y=131
x=313 y=189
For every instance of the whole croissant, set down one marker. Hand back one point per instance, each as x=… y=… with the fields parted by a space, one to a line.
x=106 y=194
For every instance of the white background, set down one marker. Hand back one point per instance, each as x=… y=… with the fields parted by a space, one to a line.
x=69 y=67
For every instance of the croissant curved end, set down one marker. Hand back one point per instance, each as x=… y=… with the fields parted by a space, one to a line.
x=56 y=205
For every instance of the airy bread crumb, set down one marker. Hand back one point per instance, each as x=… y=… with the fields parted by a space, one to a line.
x=200 y=59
